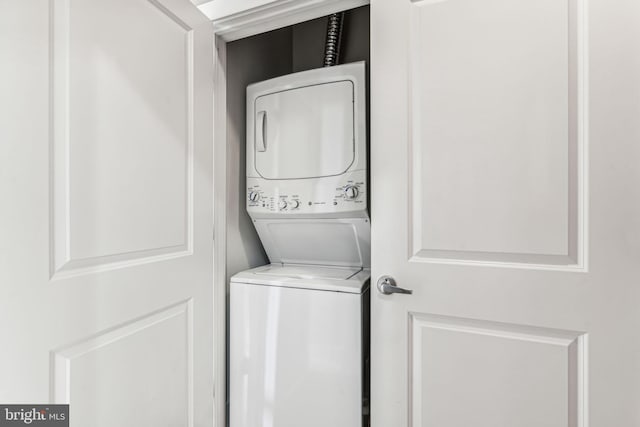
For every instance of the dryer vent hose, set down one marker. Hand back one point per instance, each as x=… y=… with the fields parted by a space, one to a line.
x=334 y=35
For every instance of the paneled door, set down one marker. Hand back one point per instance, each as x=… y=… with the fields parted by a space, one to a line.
x=106 y=210
x=505 y=166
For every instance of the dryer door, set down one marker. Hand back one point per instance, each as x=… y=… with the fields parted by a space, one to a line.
x=306 y=132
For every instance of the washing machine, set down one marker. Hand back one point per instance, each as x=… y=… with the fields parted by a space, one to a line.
x=298 y=346
x=299 y=326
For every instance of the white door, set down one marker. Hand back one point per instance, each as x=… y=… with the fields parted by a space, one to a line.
x=106 y=210
x=505 y=166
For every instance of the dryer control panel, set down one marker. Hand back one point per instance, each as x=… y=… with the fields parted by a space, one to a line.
x=327 y=195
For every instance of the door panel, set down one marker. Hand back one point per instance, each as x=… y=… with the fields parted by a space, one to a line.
x=106 y=221
x=502 y=374
x=486 y=204
x=123 y=162
x=495 y=115
x=91 y=373
x=152 y=180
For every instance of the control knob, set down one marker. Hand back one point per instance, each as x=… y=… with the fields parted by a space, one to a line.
x=254 y=196
x=282 y=205
x=351 y=192
x=293 y=204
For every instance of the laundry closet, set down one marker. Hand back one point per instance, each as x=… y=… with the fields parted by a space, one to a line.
x=298 y=224
x=503 y=157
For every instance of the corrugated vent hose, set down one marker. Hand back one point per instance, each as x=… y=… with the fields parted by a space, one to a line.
x=334 y=36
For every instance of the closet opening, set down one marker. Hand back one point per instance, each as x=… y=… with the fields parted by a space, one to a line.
x=293 y=49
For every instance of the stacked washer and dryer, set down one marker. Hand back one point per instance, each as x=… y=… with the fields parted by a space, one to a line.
x=299 y=326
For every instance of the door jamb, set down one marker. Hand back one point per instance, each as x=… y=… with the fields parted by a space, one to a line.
x=219 y=233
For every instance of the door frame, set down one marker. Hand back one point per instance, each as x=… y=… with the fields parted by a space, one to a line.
x=240 y=20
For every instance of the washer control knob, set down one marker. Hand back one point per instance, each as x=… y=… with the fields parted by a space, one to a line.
x=282 y=205
x=351 y=192
x=294 y=204
x=254 y=196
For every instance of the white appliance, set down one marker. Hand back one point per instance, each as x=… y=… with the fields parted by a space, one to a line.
x=298 y=327
x=307 y=166
x=297 y=346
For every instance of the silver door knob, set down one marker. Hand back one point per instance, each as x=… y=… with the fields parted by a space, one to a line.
x=387 y=286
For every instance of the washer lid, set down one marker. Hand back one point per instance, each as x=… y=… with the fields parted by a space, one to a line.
x=312 y=277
